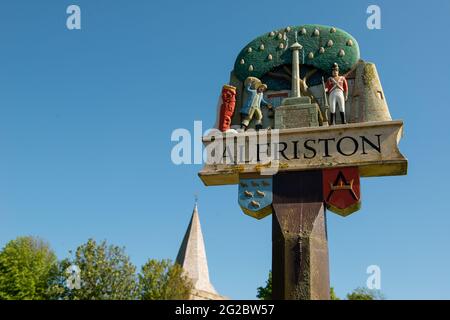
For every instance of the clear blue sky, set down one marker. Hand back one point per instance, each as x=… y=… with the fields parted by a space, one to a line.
x=86 y=118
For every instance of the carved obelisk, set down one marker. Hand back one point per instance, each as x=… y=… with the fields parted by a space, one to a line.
x=296 y=47
x=296 y=111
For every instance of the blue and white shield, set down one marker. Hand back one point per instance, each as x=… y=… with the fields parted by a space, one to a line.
x=255 y=197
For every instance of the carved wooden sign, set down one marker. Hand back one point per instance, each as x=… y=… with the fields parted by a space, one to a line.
x=312 y=142
x=372 y=147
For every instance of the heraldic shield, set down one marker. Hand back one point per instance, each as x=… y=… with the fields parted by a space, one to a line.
x=255 y=197
x=342 y=190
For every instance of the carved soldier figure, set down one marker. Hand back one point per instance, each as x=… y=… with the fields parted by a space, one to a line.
x=252 y=107
x=337 y=88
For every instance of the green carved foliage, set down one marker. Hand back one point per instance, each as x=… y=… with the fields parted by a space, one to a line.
x=322 y=46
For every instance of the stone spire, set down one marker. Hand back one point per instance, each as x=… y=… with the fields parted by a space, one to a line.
x=192 y=257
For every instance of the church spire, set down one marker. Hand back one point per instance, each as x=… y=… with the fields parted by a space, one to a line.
x=192 y=255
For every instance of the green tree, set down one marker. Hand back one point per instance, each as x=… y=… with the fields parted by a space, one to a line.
x=336 y=46
x=265 y=293
x=333 y=295
x=106 y=273
x=28 y=266
x=365 y=294
x=162 y=280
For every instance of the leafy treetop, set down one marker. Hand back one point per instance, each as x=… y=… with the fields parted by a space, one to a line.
x=322 y=46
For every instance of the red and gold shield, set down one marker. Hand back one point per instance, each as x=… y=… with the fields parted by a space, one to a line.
x=342 y=190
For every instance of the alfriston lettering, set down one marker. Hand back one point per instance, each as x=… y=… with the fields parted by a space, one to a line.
x=326 y=149
x=308 y=149
x=258 y=151
x=353 y=146
x=373 y=145
x=295 y=144
x=282 y=146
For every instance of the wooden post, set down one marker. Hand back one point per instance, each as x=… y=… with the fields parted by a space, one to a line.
x=300 y=267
